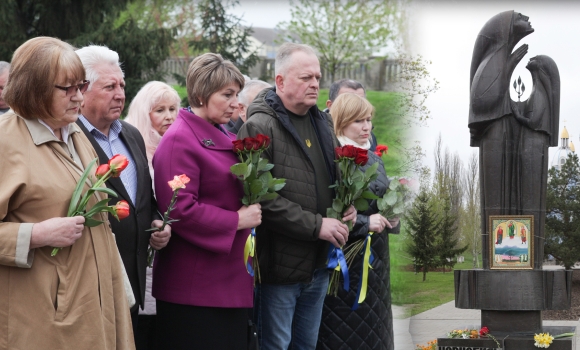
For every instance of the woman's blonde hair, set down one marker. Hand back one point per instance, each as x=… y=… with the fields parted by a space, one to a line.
x=148 y=97
x=34 y=70
x=347 y=108
x=208 y=74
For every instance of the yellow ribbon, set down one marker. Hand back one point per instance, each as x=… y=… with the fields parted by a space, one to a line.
x=249 y=251
x=365 y=269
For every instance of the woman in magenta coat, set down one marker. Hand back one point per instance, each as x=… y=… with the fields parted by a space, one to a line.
x=202 y=288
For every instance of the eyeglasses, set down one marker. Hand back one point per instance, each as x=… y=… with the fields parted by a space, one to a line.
x=72 y=90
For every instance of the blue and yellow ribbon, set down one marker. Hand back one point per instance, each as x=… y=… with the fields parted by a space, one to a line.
x=364 y=277
x=250 y=251
x=337 y=261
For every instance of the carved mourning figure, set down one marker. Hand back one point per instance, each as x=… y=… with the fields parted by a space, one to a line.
x=539 y=120
x=513 y=138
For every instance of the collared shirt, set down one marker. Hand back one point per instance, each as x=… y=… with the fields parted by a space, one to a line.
x=63 y=131
x=114 y=145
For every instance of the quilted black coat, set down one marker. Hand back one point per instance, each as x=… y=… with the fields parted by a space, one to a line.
x=371 y=325
x=287 y=243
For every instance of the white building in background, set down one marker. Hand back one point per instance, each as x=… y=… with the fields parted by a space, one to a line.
x=566 y=147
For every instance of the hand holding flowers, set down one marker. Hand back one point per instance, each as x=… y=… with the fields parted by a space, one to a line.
x=79 y=201
x=258 y=183
x=351 y=190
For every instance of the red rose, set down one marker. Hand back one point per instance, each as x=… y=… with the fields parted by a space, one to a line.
x=361 y=158
x=238 y=145
x=338 y=151
x=122 y=209
x=263 y=140
x=251 y=143
x=118 y=163
x=349 y=151
x=483 y=331
x=102 y=170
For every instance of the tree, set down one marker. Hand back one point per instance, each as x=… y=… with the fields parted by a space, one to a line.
x=344 y=31
x=139 y=57
x=141 y=50
x=222 y=33
x=21 y=20
x=422 y=223
x=416 y=84
x=563 y=210
x=447 y=240
x=470 y=219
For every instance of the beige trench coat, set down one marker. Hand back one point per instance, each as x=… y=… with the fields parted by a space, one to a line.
x=76 y=299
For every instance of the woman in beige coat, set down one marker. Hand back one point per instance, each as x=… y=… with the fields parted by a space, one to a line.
x=75 y=299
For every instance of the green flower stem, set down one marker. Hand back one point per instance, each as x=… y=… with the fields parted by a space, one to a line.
x=80 y=209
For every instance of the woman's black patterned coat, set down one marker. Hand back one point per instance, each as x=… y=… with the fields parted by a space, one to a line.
x=371 y=325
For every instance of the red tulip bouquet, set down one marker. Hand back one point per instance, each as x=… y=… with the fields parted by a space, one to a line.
x=259 y=185
x=79 y=201
x=176 y=184
x=351 y=189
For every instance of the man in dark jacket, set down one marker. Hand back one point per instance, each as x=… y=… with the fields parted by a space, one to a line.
x=292 y=240
x=101 y=108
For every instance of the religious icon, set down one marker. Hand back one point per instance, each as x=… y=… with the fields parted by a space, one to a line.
x=511 y=253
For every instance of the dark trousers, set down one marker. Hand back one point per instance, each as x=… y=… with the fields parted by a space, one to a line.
x=146 y=335
x=196 y=327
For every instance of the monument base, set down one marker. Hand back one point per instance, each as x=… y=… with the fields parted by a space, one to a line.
x=510 y=341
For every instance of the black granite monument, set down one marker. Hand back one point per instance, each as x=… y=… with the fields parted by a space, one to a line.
x=513 y=140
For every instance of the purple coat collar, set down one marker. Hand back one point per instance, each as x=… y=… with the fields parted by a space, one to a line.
x=208 y=135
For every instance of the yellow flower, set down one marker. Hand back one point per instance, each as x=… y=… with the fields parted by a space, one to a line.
x=543 y=340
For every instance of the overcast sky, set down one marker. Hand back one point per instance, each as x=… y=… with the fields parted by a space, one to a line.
x=445 y=32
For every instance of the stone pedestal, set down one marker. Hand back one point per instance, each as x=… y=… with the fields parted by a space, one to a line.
x=511 y=304
x=518 y=341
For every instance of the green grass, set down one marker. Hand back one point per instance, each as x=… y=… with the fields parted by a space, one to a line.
x=181 y=90
x=408 y=288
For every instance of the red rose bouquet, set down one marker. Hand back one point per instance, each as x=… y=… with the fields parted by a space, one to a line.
x=351 y=189
x=79 y=201
x=259 y=185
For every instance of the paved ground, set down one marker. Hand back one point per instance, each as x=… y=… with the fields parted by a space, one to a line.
x=434 y=323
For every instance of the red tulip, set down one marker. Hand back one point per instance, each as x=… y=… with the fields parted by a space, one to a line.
x=102 y=170
x=238 y=145
x=122 y=209
x=118 y=163
x=381 y=149
x=361 y=158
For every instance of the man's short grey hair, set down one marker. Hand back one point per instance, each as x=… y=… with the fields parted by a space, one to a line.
x=339 y=84
x=251 y=86
x=95 y=55
x=4 y=66
x=285 y=52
